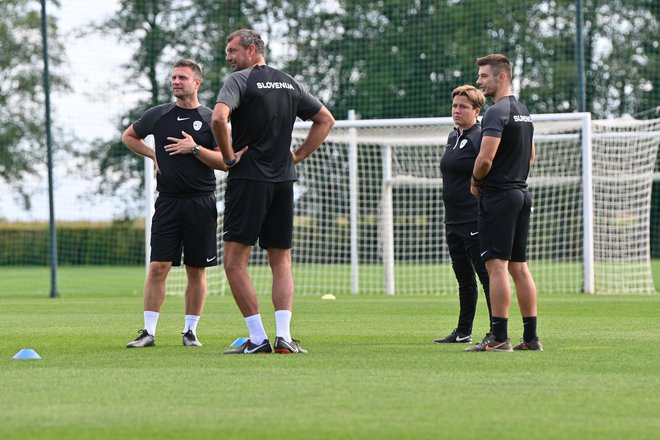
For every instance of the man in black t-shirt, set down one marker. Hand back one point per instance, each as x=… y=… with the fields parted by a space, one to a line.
x=499 y=179
x=461 y=230
x=185 y=215
x=263 y=104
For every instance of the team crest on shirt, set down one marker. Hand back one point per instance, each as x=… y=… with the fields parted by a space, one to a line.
x=463 y=142
x=197 y=125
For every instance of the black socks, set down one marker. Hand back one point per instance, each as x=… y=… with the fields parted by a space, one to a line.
x=529 y=331
x=499 y=328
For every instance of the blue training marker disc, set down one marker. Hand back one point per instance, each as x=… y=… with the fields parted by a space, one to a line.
x=27 y=353
x=238 y=342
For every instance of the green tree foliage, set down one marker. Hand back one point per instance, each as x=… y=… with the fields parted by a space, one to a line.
x=394 y=58
x=402 y=58
x=22 y=130
x=624 y=42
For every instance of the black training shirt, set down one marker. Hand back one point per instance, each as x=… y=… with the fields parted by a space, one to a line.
x=510 y=121
x=180 y=175
x=456 y=165
x=264 y=104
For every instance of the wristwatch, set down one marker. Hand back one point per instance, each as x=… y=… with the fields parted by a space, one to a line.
x=195 y=150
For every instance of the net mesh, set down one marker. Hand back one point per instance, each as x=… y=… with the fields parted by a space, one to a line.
x=623 y=153
x=399 y=184
x=384 y=59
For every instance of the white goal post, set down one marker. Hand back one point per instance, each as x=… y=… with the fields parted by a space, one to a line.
x=369 y=212
x=390 y=181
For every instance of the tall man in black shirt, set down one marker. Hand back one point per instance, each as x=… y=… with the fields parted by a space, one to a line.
x=263 y=104
x=185 y=215
x=499 y=179
x=461 y=230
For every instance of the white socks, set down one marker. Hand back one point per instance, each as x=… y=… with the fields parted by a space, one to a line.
x=283 y=324
x=150 y=322
x=256 y=329
x=191 y=323
x=254 y=325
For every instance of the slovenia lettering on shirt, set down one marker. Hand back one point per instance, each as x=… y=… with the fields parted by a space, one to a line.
x=522 y=118
x=274 y=85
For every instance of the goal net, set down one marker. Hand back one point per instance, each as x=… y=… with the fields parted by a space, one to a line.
x=369 y=212
x=624 y=157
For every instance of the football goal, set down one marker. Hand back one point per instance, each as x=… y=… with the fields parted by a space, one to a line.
x=369 y=212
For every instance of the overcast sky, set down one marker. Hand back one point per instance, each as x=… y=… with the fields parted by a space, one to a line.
x=93 y=64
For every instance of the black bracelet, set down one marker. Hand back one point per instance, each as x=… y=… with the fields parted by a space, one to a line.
x=230 y=162
x=477 y=180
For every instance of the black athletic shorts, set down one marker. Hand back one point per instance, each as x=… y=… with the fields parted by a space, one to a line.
x=503 y=222
x=262 y=210
x=188 y=224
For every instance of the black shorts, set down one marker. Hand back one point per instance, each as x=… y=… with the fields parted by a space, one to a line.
x=260 y=210
x=504 y=224
x=188 y=224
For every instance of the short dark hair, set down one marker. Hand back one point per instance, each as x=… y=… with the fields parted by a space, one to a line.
x=474 y=95
x=248 y=36
x=197 y=71
x=497 y=62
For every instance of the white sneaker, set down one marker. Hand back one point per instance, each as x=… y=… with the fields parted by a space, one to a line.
x=144 y=340
x=190 y=340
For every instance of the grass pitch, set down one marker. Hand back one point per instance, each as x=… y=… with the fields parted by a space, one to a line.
x=372 y=370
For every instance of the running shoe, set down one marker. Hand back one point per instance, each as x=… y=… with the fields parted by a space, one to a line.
x=484 y=341
x=492 y=345
x=249 y=348
x=190 y=340
x=453 y=337
x=284 y=347
x=533 y=345
x=143 y=340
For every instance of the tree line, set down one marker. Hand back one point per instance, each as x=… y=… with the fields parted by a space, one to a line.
x=383 y=58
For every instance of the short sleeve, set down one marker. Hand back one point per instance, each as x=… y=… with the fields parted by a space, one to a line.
x=232 y=90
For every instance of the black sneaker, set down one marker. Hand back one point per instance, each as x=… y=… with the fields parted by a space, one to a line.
x=453 y=337
x=249 y=348
x=492 y=345
x=284 y=347
x=143 y=340
x=533 y=345
x=190 y=340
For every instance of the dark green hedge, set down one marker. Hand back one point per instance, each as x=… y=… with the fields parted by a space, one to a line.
x=105 y=244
